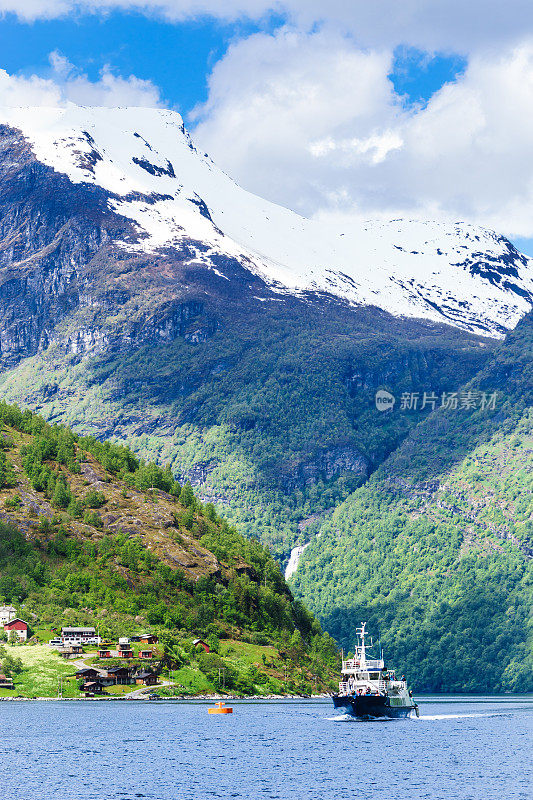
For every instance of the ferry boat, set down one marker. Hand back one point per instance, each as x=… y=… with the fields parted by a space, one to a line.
x=368 y=690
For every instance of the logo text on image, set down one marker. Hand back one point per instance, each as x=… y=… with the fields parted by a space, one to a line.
x=384 y=400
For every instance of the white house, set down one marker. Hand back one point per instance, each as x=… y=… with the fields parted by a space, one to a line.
x=79 y=636
x=7 y=613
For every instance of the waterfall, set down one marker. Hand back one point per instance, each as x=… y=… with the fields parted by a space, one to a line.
x=295 y=556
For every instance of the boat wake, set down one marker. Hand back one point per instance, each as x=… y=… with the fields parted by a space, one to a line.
x=351 y=718
x=422 y=718
x=432 y=717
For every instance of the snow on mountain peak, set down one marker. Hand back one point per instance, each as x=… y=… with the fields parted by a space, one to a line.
x=144 y=158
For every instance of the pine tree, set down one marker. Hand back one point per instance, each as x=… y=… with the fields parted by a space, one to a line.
x=7 y=475
x=61 y=497
x=187 y=495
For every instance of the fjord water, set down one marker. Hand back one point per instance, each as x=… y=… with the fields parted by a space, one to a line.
x=460 y=748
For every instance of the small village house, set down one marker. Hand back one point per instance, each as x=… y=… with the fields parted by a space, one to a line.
x=120 y=675
x=70 y=651
x=146 y=653
x=201 y=643
x=7 y=613
x=87 y=673
x=91 y=680
x=125 y=649
x=85 y=635
x=146 y=679
x=148 y=638
x=103 y=653
x=5 y=682
x=106 y=677
x=92 y=687
x=19 y=627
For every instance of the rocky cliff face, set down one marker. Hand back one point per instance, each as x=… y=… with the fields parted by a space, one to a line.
x=326 y=466
x=66 y=278
x=50 y=232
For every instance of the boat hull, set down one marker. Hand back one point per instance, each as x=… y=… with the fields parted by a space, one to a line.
x=372 y=707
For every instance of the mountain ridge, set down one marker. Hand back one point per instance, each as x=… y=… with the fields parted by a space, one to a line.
x=174 y=197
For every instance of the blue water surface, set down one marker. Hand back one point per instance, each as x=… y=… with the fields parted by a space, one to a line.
x=460 y=748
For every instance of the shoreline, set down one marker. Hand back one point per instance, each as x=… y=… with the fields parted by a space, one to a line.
x=207 y=697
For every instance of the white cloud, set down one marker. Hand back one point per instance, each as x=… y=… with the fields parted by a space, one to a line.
x=469 y=153
x=36 y=9
x=65 y=83
x=378 y=146
x=308 y=117
x=311 y=122
x=428 y=24
x=277 y=102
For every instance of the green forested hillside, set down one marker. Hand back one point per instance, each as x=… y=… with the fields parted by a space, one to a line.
x=91 y=535
x=436 y=550
x=272 y=417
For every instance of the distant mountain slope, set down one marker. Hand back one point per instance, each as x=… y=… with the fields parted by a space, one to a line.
x=145 y=162
x=144 y=295
x=437 y=548
x=272 y=417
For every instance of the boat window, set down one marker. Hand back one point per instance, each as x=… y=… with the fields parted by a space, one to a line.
x=374 y=676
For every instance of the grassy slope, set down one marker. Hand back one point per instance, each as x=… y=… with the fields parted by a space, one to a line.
x=42 y=667
x=443 y=574
x=143 y=558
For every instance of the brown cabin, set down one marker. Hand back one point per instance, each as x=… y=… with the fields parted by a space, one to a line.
x=103 y=653
x=71 y=650
x=148 y=638
x=92 y=687
x=201 y=643
x=87 y=674
x=125 y=653
x=146 y=679
x=120 y=675
x=146 y=653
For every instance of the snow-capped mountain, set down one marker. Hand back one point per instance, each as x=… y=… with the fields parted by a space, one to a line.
x=153 y=174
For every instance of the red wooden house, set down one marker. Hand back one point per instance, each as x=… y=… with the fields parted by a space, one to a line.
x=19 y=626
x=201 y=643
x=125 y=650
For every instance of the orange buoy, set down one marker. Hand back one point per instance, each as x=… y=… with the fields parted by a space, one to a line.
x=220 y=708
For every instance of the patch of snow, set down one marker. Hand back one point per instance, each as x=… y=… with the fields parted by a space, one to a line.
x=457 y=273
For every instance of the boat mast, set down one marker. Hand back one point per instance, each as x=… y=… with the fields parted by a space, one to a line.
x=361 y=633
